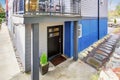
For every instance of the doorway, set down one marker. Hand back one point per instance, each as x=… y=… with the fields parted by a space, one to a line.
x=55 y=41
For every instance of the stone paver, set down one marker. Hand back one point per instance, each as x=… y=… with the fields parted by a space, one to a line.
x=8 y=63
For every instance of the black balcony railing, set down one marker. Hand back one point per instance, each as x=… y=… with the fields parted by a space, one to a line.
x=47 y=7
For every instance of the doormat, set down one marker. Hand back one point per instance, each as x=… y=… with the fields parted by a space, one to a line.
x=57 y=60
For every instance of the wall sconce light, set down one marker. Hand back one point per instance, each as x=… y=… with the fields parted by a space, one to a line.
x=101 y=2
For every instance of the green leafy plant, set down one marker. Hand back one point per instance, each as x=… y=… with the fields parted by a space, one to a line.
x=115 y=21
x=43 y=59
x=0 y=21
x=96 y=75
x=2 y=15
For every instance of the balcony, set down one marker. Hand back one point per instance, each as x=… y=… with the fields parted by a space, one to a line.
x=47 y=7
x=34 y=11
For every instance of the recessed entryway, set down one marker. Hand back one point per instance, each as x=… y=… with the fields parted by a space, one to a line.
x=55 y=41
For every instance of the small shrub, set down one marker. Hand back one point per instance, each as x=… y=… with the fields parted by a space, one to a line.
x=115 y=21
x=43 y=59
x=94 y=77
x=2 y=15
x=0 y=20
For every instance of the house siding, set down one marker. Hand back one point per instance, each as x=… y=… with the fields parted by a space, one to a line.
x=19 y=39
x=89 y=8
x=103 y=27
x=27 y=47
x=67 y=6
x=9 y=13
x=89 y=33
x=103 y=19
x=104 y=9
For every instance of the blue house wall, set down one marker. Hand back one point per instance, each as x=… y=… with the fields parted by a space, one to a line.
x=91 y=32
x=103 y=27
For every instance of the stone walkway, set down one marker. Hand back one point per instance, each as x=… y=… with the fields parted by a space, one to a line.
x=101 y=53
x=8 y=63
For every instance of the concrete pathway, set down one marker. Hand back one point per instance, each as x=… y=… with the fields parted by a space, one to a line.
x=8 y=63
x=68 y=70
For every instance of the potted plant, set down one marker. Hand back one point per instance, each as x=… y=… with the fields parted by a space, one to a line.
x=44 y=65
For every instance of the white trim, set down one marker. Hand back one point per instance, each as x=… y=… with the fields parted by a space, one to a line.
x=80 y=30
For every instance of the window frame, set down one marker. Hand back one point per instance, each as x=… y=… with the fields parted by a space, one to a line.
x=79 y=30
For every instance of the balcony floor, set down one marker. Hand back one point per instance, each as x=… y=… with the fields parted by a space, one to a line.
x=38 y=18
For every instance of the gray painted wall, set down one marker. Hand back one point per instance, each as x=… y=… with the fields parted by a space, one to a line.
x=67 y=6
x=104 y=8
x=27 y=47
x=89 y=8
x=22 y=41
x=19 y=39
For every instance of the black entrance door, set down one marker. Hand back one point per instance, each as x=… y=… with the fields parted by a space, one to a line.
x=55 y=40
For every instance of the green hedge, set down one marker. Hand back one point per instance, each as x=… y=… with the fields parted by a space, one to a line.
x=0 y=20
x=2 y=15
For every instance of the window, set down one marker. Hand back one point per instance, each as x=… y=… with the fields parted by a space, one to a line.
x=76 y=6
x=32 y=5
x=56 y=29
x=15 y=6
x=18 y=6
x=79 y=30
x=26 y=5
x=56 y=34
x=21 y=6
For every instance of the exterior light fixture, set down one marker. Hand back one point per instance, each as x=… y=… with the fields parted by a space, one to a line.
x=101 y=2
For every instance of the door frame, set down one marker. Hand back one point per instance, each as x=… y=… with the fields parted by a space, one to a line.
x=61 y=35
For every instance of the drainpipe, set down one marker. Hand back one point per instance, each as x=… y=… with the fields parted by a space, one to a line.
x=98 y=18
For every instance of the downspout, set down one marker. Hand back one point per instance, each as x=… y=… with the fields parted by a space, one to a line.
x=98 y=18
